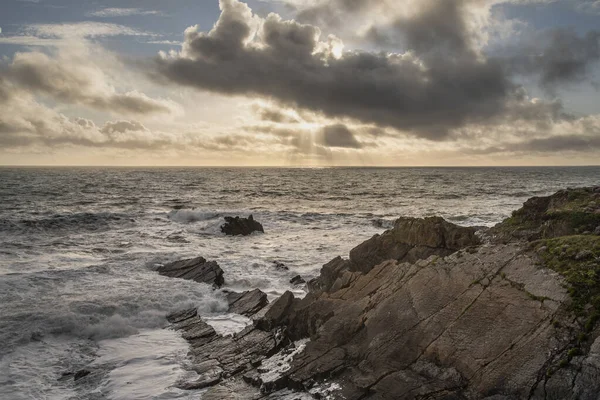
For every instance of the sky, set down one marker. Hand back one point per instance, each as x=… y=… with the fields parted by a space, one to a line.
x=300 y=82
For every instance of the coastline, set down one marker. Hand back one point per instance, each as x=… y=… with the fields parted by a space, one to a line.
x=500 y=323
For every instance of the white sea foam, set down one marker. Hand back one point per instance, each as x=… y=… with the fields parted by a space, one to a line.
x=280 y=363
x=143 y=366
x=227 y=324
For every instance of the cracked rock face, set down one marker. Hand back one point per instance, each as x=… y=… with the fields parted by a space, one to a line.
x=393 y=334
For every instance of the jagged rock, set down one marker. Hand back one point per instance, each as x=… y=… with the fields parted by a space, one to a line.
x=235 y=226
x=217 y=357
x=297 y=280
x=180 y=316
x=329 y=273
x=196 y=269
x=410 y=240
x=277 y=313
x=247 y=303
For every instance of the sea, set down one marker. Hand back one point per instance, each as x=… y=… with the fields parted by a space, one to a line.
x=79 y=250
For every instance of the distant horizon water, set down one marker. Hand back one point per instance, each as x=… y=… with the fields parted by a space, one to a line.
x=291 y=166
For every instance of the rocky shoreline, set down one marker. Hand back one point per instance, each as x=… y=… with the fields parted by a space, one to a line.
x=426 y=310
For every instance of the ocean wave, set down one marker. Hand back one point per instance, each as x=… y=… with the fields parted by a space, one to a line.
x=120 y=313
x=70 y=222
x=190 y=216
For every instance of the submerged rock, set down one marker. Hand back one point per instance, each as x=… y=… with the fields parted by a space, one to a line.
x=297 y=280
x=196 y=269
x=280 y=266
x=235 y=226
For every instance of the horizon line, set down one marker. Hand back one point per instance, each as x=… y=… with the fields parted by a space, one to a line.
x=292 y=166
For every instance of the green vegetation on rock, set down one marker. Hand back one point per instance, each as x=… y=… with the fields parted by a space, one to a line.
x=577 y=259
x=567 y=212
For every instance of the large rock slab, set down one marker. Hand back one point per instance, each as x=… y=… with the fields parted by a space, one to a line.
x=195 y=269
x=235 y=226
x=392 y=333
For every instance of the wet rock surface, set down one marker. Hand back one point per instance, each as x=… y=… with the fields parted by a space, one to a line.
x=236 y=226
x=196 y=269
x=297 y=280
x=423 y=311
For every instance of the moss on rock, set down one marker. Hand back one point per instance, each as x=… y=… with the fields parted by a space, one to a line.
x=567 y=212
x=577 y=259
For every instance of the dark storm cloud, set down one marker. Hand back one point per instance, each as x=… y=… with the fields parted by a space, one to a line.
x=340 y=136
x=288 y=64
x=559 y=57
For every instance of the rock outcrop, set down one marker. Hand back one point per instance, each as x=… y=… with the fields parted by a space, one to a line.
x=195 y=269
x=235 y=226
x=247 y=303
x=410 y=240
x=425 y=311
x=567 y=212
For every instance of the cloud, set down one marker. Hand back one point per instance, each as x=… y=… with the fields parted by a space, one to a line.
x=69 y=77
x=271 y=114
x=574 y=143
x=286 y=61
x=122 y=12
x=558 y=57
x=339 y=136
x=455 y=28
x=84 y=29
x=63 y=34
x=589 y=6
